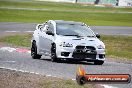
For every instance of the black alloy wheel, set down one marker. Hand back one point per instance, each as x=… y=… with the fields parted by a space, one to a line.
x=53 y=53
x=34 y=51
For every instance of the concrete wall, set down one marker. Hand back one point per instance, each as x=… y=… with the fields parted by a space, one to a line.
x=72 y=1
x=113 y=2
x=125 y=2
x=87 y=1
x=108 y=2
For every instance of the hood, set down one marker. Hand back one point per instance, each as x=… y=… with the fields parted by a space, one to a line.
x=84 y=41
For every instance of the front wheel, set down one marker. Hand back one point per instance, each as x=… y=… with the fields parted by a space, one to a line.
x=53 y=53
x=34 y=51
x=98 y=62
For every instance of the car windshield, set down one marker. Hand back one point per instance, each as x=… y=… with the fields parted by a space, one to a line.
x=74 y=30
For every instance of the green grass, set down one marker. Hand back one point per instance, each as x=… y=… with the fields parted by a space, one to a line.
x=63 y=84
x=28 y=80
x=119 y=47
x=90 y=18
x=59 y=6
x=18 y=40
x=63 y=11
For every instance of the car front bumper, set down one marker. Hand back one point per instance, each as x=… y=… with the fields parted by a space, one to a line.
x=71 y=53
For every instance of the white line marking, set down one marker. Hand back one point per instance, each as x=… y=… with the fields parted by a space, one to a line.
x=8 y=61
x=26 y=71
x=37 y=73
x=73 y=79
x=12 y=31
x=99 y=5
x=2 y=67
x=32 y=72
x=12 y=69
x=56 y=77
x=20 y=31
x=20 y=50
x=107 y=86
x=24 y=8
x=21 y=70
x=29 y=51
x=28 y=31
x=7 y=49
x=57 y=10
x=48 y=75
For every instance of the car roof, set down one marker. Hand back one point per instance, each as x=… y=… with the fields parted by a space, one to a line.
x=67 y=22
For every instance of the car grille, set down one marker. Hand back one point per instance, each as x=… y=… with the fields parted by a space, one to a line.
x=84 y=52
x=87 y=47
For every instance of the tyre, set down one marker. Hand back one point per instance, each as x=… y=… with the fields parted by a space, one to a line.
x=53 y=53
x=34 y=51
x=81 y=80
x=98 y=62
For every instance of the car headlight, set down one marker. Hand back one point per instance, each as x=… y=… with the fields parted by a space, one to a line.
x=101 y=47
x=64 y=44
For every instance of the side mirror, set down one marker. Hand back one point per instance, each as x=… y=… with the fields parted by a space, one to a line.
x=39 y=26
x=50 y=33
x=97 y=35
x=46 y=27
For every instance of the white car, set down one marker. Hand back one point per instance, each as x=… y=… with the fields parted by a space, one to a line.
x=67 y=40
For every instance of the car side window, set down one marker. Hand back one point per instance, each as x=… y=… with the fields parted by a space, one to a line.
x=41 y=28
x=45 y=27
x=51 y=27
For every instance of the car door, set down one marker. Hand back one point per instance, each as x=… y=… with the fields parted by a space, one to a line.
x=45 y=39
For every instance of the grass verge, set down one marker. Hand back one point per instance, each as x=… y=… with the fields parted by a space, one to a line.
x=27 y=80
x=18 y=40
x=59 y=6
x=63 y=11
x=118 y=47
x=90 y=18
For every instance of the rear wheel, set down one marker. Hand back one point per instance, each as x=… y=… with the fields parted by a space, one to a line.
x=53 y=53
x=34 y=51
x=98 y=62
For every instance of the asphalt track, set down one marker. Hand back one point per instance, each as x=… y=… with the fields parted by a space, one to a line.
x=30 y=27
x=19 y=58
